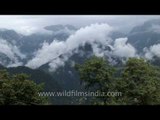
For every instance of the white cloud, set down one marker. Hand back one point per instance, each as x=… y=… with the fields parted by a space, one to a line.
x=97 y=50
x=93 y=34
x=11 y=51
x=123 y=49
x=97 y=35
x=15 y=64
x=152 y=51
x=6 y=49
x=47 y=53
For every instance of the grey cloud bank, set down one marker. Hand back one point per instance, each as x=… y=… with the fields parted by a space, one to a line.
x=28 y=24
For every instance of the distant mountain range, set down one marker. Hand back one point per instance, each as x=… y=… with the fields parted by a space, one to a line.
x=145 y=35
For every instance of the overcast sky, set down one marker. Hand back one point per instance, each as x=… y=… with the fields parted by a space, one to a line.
x=27 y=24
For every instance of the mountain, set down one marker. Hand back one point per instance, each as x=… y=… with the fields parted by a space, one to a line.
x=10 y=35
x=66 y=75
x=141 y=36
x=50 y=81
x=4 y=59
x=146 y=26
x=33 y=42
x=61 y=32
x=2 y=67
x=56 y=28
x=145 y=35
x=28 y=44
x=38 y=76
x=117 y=34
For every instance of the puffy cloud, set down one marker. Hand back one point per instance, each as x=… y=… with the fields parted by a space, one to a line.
x=123 y=49
x=152 y=51
x=97 y=35
x=47 y=53
x=50 y=53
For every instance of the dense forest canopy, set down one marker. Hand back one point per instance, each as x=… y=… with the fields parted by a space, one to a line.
x=138 y=81
x=19 y=90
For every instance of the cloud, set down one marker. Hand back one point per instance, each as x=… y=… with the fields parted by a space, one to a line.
x=123 y=49
x=12 y=52
x=6 y=49
x=97 y=35
x=98 y=51
x=47 y=53
x=152 y=51
x=50 y=53
x=28 y=24
x=28 y=30
x=57 y=62
x=155 y=28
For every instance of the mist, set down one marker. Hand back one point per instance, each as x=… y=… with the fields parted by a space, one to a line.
x=96 y=35
x=152 y=51
x=29 y=24
x=89 y=34
x=12 y=52
x=123 y=49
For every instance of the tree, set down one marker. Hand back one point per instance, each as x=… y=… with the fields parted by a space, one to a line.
x=96 y=74
x=19 y=90
x=139 y=83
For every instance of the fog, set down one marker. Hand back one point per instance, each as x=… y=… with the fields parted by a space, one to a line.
x=28 y=24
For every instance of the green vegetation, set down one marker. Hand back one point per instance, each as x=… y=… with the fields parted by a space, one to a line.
x=19 y=90
x=138 y=81
x=96 y=74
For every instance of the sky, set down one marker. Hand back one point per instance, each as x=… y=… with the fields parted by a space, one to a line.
x=28 y=24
